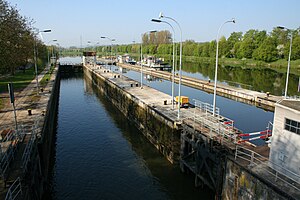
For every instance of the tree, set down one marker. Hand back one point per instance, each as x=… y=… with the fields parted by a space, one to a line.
x=267 y=50
x=16 y=39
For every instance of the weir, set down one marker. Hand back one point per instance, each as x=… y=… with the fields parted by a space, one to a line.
x=204 y=145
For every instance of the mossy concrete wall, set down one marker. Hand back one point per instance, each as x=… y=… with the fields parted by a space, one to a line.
x=159 y=130
x=241 y=184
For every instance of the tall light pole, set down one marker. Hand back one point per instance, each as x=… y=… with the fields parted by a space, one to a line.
x=173 y=64
x=216 y=70
x=111 y=42
x=289 y=60
x=141 y=51
x=161 y=15
x=54 y=40
x=35 y=59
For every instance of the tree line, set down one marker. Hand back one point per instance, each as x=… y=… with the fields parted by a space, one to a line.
x=17 y=40
x=254 y=44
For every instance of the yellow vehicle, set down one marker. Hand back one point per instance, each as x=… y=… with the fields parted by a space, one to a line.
x=184 y=101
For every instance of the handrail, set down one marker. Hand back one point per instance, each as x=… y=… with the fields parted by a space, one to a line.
x=256 y=159
x=14 y=190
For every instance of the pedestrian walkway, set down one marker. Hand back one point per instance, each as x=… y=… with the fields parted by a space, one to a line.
x=16 y=145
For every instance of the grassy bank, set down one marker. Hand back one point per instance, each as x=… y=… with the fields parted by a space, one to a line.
x=20 y=81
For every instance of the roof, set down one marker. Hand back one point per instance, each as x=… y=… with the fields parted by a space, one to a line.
x=290 y=103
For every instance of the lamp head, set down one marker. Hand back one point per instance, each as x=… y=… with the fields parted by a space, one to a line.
x=156 y=20
x=54 y=40
x=113 y=40
x=280 y=27
x=46 y=31
x=233 y=20
x=103 y=37
x=161 y=15
x=154 y=31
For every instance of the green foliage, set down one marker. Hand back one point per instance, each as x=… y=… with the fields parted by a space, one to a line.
x=16 y=40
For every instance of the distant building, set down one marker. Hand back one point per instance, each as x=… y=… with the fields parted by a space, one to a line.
x=285 y=146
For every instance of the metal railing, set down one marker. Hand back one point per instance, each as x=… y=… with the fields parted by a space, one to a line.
x=9 y=142
x=217 y=124
x=255 y=159
x=14 y=190
x=27 y=151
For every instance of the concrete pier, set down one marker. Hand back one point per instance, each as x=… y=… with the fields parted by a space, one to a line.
x=204 y=145
x=263 y=100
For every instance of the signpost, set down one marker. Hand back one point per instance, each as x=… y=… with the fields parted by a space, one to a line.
x=12 y=101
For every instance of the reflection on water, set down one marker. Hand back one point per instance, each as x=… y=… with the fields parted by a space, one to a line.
x=100 y=155
x=258 y=79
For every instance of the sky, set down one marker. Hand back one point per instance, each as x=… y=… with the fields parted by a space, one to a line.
x=75 y=22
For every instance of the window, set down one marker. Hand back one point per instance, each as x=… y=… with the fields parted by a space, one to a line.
x=292 y=126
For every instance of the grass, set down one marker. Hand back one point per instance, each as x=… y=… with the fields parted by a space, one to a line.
x=47 y=76
x=20 y=81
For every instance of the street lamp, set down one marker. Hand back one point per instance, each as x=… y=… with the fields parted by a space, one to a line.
x=173 y=64
x=216 y=70
x=111 y=41
x=180 y=60
x=35 y=58
x=289 y=60
x=54 y=40
x=154 y=31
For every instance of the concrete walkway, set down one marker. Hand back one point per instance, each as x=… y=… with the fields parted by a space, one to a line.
x=24 y=100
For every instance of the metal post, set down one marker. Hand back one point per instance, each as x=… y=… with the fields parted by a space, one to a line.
x=173 y=64
x=216 y=69
x=141 y=64
x=288 y=69
x=180 y=61
x=35 y=67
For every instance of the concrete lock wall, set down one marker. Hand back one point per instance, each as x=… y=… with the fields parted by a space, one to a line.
x=159 y=130
x=37 y=178
x=239 y=183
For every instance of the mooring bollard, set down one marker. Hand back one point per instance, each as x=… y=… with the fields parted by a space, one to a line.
x=42 y=90
x=29 y=112
x=165 y=102
x=131 y=85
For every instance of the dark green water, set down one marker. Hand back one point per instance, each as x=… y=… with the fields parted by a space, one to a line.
x=100 y=155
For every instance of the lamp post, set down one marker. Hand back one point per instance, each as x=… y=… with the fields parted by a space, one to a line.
x=154 y=31
x=54 y=40
x=111 y=41
x=35 y=59
x=289 y=60
x=173 y=64
x=161 y=15
x=216 y=70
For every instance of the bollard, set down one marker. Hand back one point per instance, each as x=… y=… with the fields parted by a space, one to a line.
x=29 y=112
x=115 y=76
x=118 y=76
x=165 y=102
x=131 y=85
x=42 y=90
x=137 y=85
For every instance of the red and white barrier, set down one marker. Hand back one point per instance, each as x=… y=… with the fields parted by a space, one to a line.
x=255 y=138
x=255 y=133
